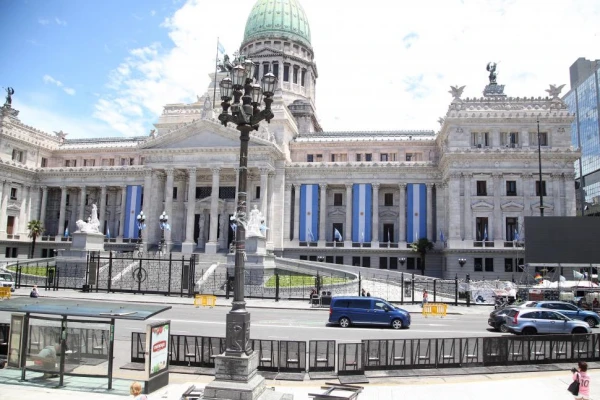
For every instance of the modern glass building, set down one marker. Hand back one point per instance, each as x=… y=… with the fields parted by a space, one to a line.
x=584 y=100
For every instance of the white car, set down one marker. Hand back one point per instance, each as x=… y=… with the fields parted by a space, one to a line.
x=6 y=280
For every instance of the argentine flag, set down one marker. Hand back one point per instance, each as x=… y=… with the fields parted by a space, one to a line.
x=362 y=213
x=133 y=206
x=416 y=218
x=337 y=235
x=309 y=213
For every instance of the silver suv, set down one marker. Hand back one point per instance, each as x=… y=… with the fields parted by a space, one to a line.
x=6 y=280
x=530 y=322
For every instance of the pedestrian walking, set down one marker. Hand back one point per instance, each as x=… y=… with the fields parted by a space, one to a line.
x=363 y=293
x=580 y=374
x=136 y=391
x=425 y=298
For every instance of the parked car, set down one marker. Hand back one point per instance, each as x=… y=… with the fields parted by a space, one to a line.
x=497 y=318
x=6 y=280
x=530 y=321
x=570 y=310
x=354 y=310
x=514 y=305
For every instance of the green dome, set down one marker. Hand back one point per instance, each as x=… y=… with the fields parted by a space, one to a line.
x=284 y=19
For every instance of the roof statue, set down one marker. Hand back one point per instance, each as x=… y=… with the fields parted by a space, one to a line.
x=493 y=89
x=491 y=67
x=61 y=135
x=207 y=109
x=456 y=92
x=9 y=92
x=225 y=65
x=554 y=91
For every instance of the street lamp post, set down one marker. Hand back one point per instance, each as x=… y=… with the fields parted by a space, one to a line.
x=163 y=219
x=462 y=261
x=540 y=168
x=402 y=260
x=246 y=116
x=141 y=219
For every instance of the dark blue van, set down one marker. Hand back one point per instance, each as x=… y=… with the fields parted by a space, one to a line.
x=355 y=310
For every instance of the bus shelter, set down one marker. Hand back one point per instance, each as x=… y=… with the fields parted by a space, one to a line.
x=68 y=337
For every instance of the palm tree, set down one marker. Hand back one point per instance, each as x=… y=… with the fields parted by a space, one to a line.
x=422 y=246
x=35 y=229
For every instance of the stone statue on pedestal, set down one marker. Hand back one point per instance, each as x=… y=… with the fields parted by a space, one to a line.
x=255 y=223
x=93 y=226
x=9 y=92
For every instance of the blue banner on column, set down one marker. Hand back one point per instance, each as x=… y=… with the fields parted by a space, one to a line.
x=362 y=198
x=133 y=206
x=416 y=215
x=309 y=213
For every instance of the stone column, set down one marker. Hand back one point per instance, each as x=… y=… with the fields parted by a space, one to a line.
x=264 y=190
x=81 y=211
x=169 y=204
x=212 y=245
x=454 y=212
x=440 y=190
x=269 y=216
x=402 y=214
x=348 y=227
x=468 y=186
x=23 y=215
x=524 y=137
x=556 y=189
x=526 y=192
x=297 y=212
x=375 y=227
x=43 y=204
x=287 y=214
x=322 y=213
x=123 y=211
x=497 y=221
x=62 y=212
x=189 y=245
x=150 y=199
x=430 y=233
x=102 y=211
x=569 y=194
x=4 y=208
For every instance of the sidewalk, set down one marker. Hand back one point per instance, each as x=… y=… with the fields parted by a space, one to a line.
x=223 y=302
x=540 y=385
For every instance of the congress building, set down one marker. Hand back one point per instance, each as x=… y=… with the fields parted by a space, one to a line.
x=357 y=198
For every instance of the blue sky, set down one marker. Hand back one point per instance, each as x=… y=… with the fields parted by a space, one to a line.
x=106 y=68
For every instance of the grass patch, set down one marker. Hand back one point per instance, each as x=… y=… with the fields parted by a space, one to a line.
x=36 y=270
x=303 y=280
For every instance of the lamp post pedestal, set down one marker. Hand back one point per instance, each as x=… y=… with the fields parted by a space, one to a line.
x=236 y=378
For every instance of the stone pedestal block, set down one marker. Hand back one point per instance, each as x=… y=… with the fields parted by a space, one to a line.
x=256 y=245
x=87 y=241
x=211 y=248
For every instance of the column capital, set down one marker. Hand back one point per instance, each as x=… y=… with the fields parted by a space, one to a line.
x=429 y=186
x=44 y=188
x=497 y=175
x=402 y=185
x=323 y=186
x=265 y=170
x=123 y=187
x=169 y=171
x=216 y=170
x=103 y=187
x=297 y=185
x=148 y=172
x=63 y=187
x=376 y=185
x=349 y=185
x=192 y=170
x=467 y=175
x=288 y=186
x=558 y=175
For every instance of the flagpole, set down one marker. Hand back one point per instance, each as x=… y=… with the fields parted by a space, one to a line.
x=215 y=80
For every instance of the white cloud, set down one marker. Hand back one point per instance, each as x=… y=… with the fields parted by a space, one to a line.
x=43 y=21
x=60 y=21
x=51 y=80
x=152 y=13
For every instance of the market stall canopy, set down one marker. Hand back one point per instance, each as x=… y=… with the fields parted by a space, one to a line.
x=82 y=308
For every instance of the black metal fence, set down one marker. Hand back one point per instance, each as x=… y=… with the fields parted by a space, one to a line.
x=386 y=354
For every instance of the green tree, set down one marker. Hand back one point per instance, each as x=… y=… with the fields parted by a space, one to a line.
x=422 y=246
x=36 y=229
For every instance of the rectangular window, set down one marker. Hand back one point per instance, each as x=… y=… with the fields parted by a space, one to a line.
x=142 y=160
x=13 y=193
x=511 y=228
x=511 y=139
x=276 y=69
x=358 y=157
x=257 y=194
x=511 y=188
x=319 y=158
x=44 y=162
x=481 y=227
x=17 y=155
x=340 y=228
x=478 y=264
x=481 y=188
x=383 y=157
x=256 y=71
x=489 y=265
x=339 y=157
x=393 y=263
x=388 y=233
x=174 y=193
x=356 y=261
x=295 y=77
x=203 y=192
x=388 y=199
x=480 y=139
x=302 y=77
x=409 y=157
x=265 y=68
x=329 y=259
x=383 y=263
x=366 y=262
x=368 y=157
x=68 y=201
x=87 y=199
x=71 y=163
x=410 y=263
x=337 y=199
x=286 y=73
x=305 y=258
x=508 y=265
x=89 y=163
x=339 y=260
x=543 y=139
x=309 y=158
x=537 y=188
